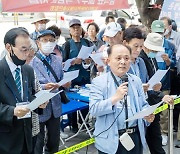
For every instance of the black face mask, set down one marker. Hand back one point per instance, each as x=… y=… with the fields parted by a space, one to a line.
x=16 y=60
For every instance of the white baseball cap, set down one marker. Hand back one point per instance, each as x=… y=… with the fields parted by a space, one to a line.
x=112 y=29
x=154 y=41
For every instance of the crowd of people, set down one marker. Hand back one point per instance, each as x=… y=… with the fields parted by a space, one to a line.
x=119 y=89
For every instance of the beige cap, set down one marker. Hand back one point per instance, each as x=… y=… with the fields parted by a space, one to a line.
x=40 y=16
x=154 y=41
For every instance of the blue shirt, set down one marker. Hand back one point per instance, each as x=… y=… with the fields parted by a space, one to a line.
x=135 y=68
x=139 y=69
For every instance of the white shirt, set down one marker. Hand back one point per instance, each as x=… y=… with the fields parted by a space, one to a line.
x=13 y=67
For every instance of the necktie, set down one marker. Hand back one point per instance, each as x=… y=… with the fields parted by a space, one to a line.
x=18 y=79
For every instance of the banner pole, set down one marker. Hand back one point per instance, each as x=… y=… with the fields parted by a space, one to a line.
x=170 y=129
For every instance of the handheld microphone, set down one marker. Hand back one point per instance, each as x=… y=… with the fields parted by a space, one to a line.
x=124 y=78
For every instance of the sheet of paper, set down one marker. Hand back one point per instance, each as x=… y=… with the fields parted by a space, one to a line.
x=85 y=52
x=156 y=78
x=144 y=112
x=43 y=97
x=67 y=64
x=158 y=56
x=97 y=58
x=69 y=76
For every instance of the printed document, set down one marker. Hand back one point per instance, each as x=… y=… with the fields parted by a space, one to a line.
x=156 y=78
x=97 y=58
x=158 y=56
x=41 y=97
x=67 y=64
x=145 y=112
x=85 y=52
x=69 y=76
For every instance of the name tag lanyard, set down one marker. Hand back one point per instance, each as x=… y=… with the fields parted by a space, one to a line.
x=125 y=100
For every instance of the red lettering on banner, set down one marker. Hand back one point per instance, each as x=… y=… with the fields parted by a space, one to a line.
x=61 y=5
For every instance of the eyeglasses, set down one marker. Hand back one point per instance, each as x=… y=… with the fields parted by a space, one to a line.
x=22 y=50
x=47 y=40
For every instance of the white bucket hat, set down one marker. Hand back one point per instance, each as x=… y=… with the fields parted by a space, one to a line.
x=112 y=29
x=40 y=16
x=154 y=41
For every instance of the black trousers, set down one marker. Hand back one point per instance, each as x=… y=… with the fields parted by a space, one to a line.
x=138 y=149
x=153 y=137
x=25 y=150
x=53 y=136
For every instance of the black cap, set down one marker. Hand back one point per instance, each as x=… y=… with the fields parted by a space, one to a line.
x=74 y=22
x=46 y=32
x=11 y=35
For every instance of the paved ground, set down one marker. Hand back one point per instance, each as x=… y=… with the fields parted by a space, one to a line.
x=91 y=149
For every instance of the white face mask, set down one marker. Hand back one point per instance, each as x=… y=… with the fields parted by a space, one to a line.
x=48 y=47
x=166 y=32
x=41 y=27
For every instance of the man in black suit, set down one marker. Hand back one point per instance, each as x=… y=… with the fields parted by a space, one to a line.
x=15 y=130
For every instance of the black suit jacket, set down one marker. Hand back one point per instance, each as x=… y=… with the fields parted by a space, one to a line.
x=13 y=131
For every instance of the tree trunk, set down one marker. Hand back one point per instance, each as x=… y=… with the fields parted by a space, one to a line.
x=148 y=15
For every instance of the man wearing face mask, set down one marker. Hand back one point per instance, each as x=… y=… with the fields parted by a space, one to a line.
x=39 y=22
x=51 y=114
x=16 y=88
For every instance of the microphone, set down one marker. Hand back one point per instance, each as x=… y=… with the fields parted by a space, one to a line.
x=124 y=78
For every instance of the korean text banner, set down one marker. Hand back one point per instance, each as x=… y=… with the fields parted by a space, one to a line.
x=61 y=5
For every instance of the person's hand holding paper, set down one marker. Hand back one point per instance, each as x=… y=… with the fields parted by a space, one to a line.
x=149 y=118
x=51 y=86
x=157 y=86
x=156 y=78
x=76 y=61
x=21 y=111
x=165 y=57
